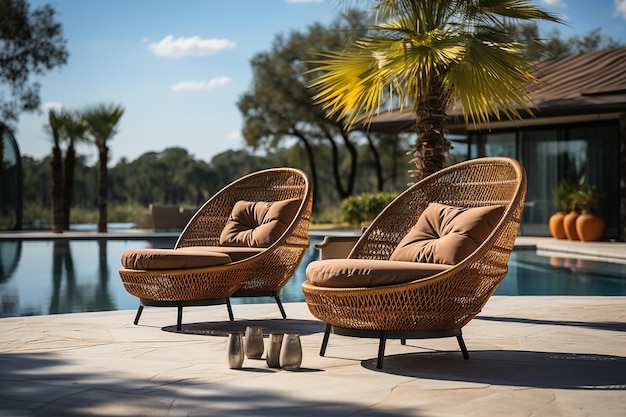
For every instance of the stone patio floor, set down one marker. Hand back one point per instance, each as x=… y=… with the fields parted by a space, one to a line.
x=529 y=356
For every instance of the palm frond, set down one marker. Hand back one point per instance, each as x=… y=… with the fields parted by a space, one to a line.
x=514 y=9
x=464 y=45
x=492 y=79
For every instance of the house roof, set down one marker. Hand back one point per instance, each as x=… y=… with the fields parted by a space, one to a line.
x=585 y=85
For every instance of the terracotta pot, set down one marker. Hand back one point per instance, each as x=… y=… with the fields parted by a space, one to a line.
x=590 y=227
x=569 y=224
x=557 y=230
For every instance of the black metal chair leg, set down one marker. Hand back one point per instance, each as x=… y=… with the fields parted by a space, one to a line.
x=325 y=340
x=179 y=321
x=403 y=342
x=139 y=311
x=230 y=310
x=280 y=306
x=459 y=338
x=381 y=350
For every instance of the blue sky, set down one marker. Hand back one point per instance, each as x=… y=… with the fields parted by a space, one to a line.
x=179 y=67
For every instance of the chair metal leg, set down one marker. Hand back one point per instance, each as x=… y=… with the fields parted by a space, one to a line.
x=459 y=338
x=280 y=306
x=383 y=335
x=325 y=340
x=179 y=321
x=139 y=311
x=381 y=350
x=230 y=310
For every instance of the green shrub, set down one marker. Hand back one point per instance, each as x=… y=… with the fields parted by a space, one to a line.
x=36 y=217
x=125 y=213
x=364 y=207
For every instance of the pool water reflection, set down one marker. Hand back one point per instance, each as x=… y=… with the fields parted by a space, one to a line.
x=40 y=277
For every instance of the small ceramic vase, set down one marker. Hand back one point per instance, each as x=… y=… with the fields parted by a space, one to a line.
x=291 y=352
x=235 y=350
x=253 y=342
x=273 y=350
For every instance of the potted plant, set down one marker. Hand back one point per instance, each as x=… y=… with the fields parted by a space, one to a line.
x=590 y=225
x=562 y=197
x=556 y=220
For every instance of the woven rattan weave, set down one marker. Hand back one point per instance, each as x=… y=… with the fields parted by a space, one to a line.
x=263 y=274
x=444 y=302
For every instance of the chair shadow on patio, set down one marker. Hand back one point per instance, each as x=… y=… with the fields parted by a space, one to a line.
x=517 y=368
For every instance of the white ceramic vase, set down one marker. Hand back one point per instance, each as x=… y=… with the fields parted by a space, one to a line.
x=253 y=342
x=235 y=350
x=291 y=352
x=274 y=344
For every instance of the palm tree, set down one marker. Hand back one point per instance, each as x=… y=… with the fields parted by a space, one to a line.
x=55 y=125
x=73 y=131
x=429 y=54
x=102 y=123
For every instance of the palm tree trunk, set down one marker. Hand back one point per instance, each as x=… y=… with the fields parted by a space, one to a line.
x=103 y=152
x=57 y=189
x=68 y=185
x=431 y=147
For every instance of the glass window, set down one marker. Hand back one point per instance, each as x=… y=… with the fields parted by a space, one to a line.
x=494 y=144
x=598 y=160
x=459 y=151
x=541 y=156
x=550 y=154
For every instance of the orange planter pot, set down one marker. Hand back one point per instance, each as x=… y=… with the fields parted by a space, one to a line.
x=569 y=224
x=557 y=230
x=590 y=227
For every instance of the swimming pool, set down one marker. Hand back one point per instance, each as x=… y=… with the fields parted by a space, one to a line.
x=41 y=277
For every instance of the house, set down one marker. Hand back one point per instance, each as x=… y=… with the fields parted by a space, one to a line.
x=578 y=122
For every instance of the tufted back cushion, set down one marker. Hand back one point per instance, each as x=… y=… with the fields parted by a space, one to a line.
x=258 y=224
x=446 y=235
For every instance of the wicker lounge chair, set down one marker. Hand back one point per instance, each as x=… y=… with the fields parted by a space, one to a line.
x=248 y=239
x=399 y=283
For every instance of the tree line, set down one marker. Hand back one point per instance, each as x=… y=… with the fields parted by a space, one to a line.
x=176 y=177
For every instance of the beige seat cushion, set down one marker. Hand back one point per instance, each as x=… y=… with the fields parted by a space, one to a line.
x=183 y=258
x=237 y=253
x=258 y=224
x=446 y=234
x=353 y=273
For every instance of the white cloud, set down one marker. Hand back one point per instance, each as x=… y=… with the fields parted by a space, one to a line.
x=620 y=8
x=236 y=135
x=200 y=85
x=556 y=3
x=175 y=48
x=51 y=105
